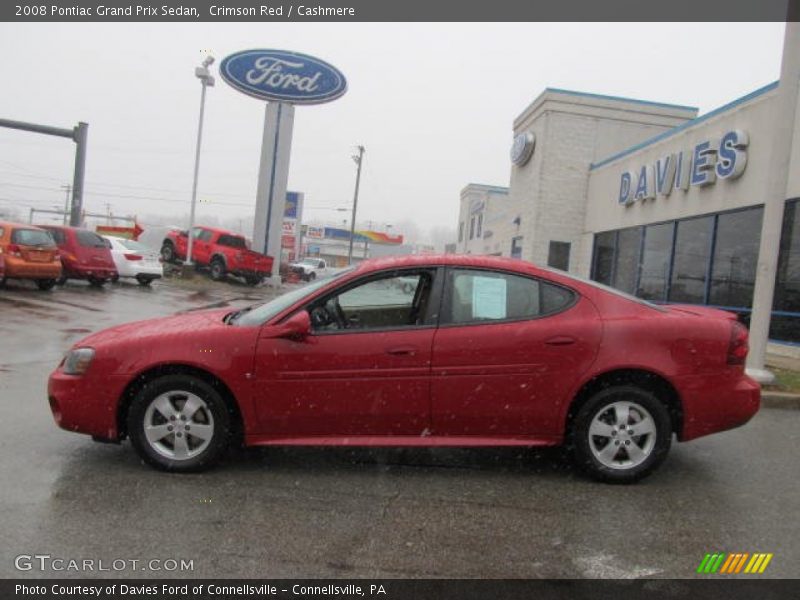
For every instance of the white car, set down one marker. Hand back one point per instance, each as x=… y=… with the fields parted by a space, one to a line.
x=135 y=260
x=311 y=268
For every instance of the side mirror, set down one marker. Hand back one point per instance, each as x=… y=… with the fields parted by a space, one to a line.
x=296 y=327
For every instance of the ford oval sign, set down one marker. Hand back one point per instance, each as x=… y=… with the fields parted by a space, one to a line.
x=283 y=76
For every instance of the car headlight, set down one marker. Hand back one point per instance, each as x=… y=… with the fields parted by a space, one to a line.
x=78 y=360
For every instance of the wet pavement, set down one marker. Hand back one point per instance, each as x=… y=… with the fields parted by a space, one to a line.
x=306 y=512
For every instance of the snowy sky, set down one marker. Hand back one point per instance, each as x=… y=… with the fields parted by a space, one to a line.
x=432 y=103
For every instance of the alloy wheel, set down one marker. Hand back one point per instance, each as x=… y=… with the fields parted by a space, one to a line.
x=178 y=425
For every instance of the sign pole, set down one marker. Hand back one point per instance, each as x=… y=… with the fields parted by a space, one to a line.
x=273 y=179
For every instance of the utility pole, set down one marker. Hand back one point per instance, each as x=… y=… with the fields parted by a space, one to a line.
x=68 y=190
x=358 y=158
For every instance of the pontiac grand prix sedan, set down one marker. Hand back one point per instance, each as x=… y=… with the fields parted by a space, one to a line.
x=483 y=351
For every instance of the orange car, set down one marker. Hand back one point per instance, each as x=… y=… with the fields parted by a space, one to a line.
x=28 y=252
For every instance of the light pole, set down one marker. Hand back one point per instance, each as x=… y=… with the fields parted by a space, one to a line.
x=206 y=80
x=358 y=158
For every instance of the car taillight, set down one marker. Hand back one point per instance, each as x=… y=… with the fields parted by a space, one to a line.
x=14 y=250
x=132 y=256
x=738 y=346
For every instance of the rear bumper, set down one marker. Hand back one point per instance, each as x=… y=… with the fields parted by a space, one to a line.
x=20 y=269
x=717 y=403
x=80 y=272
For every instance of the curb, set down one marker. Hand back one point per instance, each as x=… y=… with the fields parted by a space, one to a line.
x=772 y=399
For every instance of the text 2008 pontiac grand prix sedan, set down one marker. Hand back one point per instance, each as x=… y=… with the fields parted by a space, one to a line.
x=482 y=351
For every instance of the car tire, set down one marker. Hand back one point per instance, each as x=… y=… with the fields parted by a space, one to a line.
x=161 y=405
x=3 y=281
x=312 y=276
x=45 y=284
x=114 y=278
x=217 y=270
x=253 y=280
x=95 y=282
x=168 y=252
x=144 y=280
x=61 y=280
x=606 y=430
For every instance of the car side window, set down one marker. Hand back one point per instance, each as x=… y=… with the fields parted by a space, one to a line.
x=475 y=296
x=232 y=241
x=392 y=301
x=205 y=235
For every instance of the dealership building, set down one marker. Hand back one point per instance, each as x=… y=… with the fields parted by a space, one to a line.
x=651 y=198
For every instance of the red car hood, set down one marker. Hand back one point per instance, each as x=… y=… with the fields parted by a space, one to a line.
x=178 y=324
x=702 y=311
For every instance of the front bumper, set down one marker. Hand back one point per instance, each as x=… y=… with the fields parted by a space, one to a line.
x=85 y=403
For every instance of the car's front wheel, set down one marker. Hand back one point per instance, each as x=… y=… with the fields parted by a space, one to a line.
x=45 y=284
x=621 y=434
x=179 y=423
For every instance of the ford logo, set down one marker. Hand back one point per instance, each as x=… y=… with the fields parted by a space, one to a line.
x=283 y=76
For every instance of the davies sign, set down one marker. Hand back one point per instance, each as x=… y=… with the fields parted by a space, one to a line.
x=701 y=165
x=282 y=76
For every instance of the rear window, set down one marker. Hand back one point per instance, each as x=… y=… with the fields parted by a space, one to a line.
x=232 y=241
x=58 y=235
x=31 y=237
x=134 y=245
x=87 y=239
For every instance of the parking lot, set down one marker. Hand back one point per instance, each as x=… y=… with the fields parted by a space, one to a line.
x=309 y=512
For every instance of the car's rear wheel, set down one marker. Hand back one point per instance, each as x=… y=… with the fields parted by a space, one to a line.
x=96 y=282
x=115 y=278
x=168 y=252
x=217 y=269
x=621 y=434
x=312 y=276
x=144 y=279
x=253 y=280
x=179 y=423
x=45 y=284
x=61 y=280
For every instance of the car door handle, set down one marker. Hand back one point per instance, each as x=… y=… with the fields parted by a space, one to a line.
x=560 y=340
x=402 y=351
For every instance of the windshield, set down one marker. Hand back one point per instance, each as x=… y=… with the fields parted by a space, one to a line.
x=607 y=288
x=262 y=313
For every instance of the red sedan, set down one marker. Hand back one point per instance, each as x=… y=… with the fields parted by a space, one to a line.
x=482 y=351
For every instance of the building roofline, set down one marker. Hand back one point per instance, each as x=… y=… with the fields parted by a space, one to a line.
x=621 y=99
x=676 y=111
x=487 y=187
x=696 y=121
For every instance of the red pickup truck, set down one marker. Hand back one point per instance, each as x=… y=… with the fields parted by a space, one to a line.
x=221 y=251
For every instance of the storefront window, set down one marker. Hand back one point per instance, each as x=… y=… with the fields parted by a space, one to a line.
x=787 y=281
x=690 y=266
x=626 y=271
x=558 y=255
x=733 y=272
x=655 y=261
x=602 y=269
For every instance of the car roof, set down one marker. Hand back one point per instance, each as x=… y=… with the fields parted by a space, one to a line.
x=219 y=230
x=24 y=225
x=461 y=260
